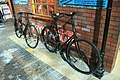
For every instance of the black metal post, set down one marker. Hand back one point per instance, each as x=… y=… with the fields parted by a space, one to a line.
x=13 y=10
x=101 y=70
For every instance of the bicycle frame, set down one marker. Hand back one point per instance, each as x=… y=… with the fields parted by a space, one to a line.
x=60 y=45
x=27 y=22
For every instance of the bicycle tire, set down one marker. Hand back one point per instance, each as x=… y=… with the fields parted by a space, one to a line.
x=18 y=30
x=83 y=56
x=32 y=36
x=49 y=40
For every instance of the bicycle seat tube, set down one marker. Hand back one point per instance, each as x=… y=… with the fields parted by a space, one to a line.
x=72 y=20
x=27 y=20
x=27 y=23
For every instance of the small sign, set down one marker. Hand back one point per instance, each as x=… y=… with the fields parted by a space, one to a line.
x=21 y=1
x=5 y=11
x=84 y=3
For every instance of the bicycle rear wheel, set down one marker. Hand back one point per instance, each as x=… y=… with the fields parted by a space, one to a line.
x=49 y=38
x=31 y=36
x=83 y=56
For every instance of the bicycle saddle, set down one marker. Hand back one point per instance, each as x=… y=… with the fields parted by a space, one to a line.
x=25 y=13
x=71 y=14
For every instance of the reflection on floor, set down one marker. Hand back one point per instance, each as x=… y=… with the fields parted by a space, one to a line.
x=19 y=62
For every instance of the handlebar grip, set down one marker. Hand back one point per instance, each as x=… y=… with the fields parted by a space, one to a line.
x=60 y=15
x=19 y=12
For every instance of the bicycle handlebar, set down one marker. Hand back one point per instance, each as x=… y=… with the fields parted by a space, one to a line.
x=71 y=14
x=60 y=15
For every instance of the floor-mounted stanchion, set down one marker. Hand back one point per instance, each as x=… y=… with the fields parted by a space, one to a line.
x=13 y=11
x=100 y=72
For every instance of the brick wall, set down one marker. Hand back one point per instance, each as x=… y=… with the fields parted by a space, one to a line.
x=24 y=8
x=90 y=24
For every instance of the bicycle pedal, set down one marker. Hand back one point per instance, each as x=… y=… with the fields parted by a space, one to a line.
x=20 y=31
x=56 y=52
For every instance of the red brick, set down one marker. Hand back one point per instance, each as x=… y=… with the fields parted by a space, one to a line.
x=115 y=14
x=113 y=23
x=66 y=8
x=112 y=40
x=90 y=19
x=91 y=11
x=111 y=27
x=114 y=9
x=78 y=29
x=103 y=17
x=116 y=4
x=115 y=36
x=112 y=18
x=81 y=18
x=109 y=66
x=112 y=31
x=102 y=21
x=85 y=22
x=108 y=43
x=78 y=35
x=104 y=12
x=113 y=44
x=115 y=28
x=110 y=47
x=87 y=15
x=59 y=8
x=100 y=37
x=83 y=35
x=72 y=9
x=102 y=29
x=81 y=10
x=109 y=60
x=117 y=19
x=93 y=16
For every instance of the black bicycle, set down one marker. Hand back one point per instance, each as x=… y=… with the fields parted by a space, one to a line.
x=29 y=31
x=77 y=52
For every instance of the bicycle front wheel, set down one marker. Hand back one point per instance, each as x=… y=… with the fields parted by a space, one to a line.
x=32 y=36
x=83 y=56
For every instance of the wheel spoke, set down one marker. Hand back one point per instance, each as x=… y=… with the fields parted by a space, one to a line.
x=49 y=38
x=32 y=37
